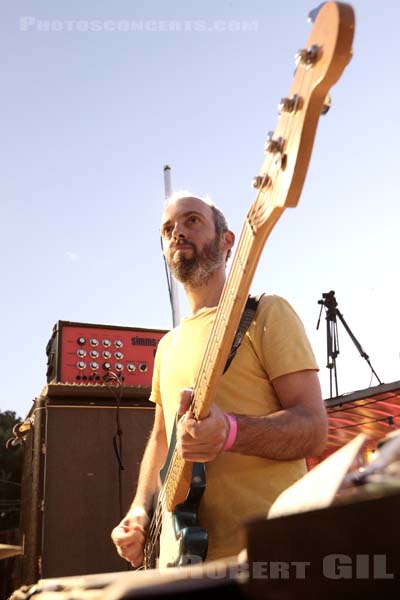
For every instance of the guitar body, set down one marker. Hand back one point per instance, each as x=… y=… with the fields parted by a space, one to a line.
x=182 y=541
x=174 y=538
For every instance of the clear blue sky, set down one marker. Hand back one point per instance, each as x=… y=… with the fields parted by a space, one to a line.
x=89 y=119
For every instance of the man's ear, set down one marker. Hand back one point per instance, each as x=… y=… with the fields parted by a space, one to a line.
x=228 y=240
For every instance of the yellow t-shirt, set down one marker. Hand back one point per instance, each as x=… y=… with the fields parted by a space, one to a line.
x=238 y=487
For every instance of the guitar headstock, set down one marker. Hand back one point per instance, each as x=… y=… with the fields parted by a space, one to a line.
x=288 y=149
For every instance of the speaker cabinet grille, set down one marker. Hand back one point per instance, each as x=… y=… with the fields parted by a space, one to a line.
x=85 y=485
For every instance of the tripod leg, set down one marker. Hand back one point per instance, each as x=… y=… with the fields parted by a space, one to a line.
x=332 y=349
x=356 y=342
x=336 y=382
x=336 y=351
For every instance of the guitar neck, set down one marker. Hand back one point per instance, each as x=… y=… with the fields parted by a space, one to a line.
x=226 y=322
x=279 y=184
x=229 y=311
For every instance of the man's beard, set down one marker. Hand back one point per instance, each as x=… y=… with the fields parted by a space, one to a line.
x=197 y=270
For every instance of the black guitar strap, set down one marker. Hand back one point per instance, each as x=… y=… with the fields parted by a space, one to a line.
x=247 y=317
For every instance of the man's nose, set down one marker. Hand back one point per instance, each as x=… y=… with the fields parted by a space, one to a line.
x=178 y=231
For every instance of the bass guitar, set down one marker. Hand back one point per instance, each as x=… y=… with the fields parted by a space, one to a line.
x=174 y=537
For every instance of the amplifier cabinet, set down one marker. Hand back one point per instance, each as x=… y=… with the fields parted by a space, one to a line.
x=83 y=456
x=90 y=353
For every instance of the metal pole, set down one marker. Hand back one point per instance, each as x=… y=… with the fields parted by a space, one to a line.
x=173 y=283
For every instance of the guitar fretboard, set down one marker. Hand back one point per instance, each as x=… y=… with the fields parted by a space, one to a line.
x=226 y=322
x=279 y=183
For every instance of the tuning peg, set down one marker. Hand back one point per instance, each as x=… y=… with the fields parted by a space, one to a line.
x=307 y=57
x=260 y=181
x=273 y=146
x=288 y=105
x=326 y=105
x=312 y=15
x=269 y=139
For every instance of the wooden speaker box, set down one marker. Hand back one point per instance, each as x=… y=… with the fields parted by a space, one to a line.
x=82 y=462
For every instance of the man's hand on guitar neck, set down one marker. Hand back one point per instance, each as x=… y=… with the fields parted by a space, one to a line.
x=298 y=429
x=200 y=441
x=129 y=535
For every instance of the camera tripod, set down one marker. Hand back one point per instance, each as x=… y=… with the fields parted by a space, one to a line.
x=332 y=312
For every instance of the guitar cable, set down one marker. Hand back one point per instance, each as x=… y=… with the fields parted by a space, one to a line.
x=116 y=391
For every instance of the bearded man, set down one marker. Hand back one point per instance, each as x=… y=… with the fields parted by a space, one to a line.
x=268 y=413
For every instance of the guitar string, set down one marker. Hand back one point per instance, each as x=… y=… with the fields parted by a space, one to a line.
x=289 y=123
x=244 y=244
x=245 y=241
x=156 y=522
x=215 y=334
x=217 y=331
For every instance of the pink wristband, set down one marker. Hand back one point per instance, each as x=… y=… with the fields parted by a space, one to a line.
x=232 y=432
